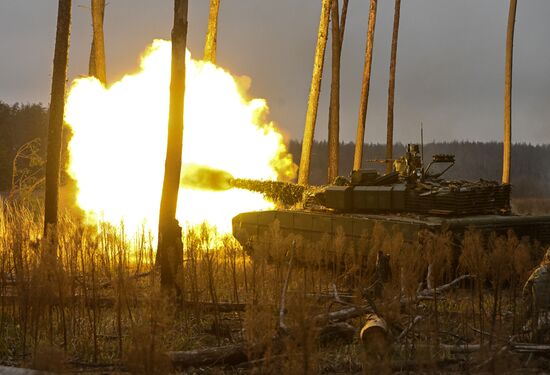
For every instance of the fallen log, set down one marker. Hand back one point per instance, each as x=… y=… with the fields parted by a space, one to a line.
x=513 y=347
x=224 y=355
x=429 y=294
x=375 y=336
x=236 y=354
x=521 y=347
x=452 y=349
x=443 y=288
x=5 y=370
x=342 y=315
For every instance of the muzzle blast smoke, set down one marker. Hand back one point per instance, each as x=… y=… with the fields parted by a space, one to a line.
x=206 y=178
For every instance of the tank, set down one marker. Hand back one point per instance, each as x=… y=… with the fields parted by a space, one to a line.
x=411 y=198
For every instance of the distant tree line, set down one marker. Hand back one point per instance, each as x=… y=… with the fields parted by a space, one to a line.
x=23 y=123
x=19 y=124
x=474 y=160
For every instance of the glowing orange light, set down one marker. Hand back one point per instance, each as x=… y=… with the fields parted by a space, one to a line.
x=119 y=144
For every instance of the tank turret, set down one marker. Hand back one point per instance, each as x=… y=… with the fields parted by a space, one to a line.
x=412 y=188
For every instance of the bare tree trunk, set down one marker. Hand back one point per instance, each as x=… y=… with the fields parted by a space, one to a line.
x=360 y=138
x=55 y=127
x=343 y=18
x=507 y=157
x=334 y=109
x=314 y=91
x=170 y=247
x=391 y=87
x=91 y=61
x=211 y=42
x=97 y=53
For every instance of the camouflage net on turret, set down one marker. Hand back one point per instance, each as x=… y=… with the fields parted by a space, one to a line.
x=286 y=193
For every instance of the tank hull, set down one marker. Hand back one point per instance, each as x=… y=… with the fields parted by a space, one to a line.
x=314 y=225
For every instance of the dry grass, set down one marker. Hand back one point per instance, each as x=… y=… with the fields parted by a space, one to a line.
x=98 y=306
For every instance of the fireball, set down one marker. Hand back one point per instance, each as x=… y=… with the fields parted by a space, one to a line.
x=118 y=146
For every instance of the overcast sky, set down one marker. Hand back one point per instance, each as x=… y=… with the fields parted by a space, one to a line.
x=450 y=63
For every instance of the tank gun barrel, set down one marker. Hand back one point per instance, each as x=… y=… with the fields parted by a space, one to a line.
x=206 y=178
x=276 y=191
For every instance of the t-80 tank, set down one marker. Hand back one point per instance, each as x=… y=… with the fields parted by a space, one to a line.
x=408 y=199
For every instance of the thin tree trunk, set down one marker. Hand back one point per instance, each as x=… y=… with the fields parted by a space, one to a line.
x=391 y=87
x=343 y=18
x=507 y=157
x=55 y=127
x=170 y=245
x=97 y=53
x=91 y=61
x=363 y=104
x=314 y=91
x=211 y=43
x=334 y=109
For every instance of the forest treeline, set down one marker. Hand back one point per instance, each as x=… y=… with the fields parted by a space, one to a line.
x=23 y=123
x=19 y=124
x=23 y=141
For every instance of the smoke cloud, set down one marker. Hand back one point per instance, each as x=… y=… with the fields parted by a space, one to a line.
x=201 y=177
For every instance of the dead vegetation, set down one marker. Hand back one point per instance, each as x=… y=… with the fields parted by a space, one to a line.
x=288 y=307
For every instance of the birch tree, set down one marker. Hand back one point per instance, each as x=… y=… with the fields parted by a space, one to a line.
x=391 y=86
x=55 y=125
x=338 y=28
x=211 y=43
x=365 y=86
x=170 y=246
x=314 y=91
x=507 y=142
x=97 y=53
